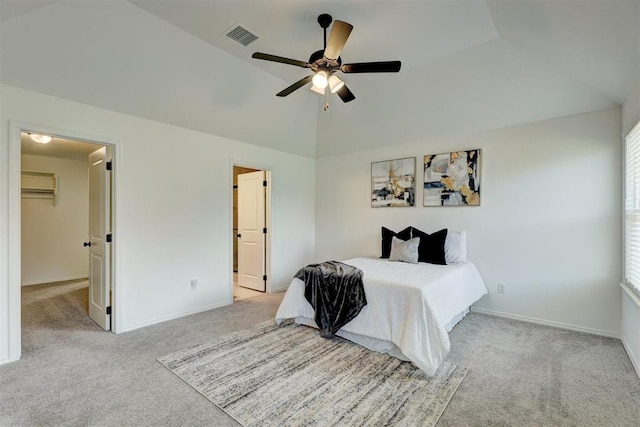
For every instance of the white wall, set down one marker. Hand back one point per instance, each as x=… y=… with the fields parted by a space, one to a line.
x=52 y=235
x=5 y=313
x=173 y=208
x=549 y=224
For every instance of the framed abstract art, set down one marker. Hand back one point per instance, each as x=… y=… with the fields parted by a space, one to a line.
x=393 y=183
x=452 y=179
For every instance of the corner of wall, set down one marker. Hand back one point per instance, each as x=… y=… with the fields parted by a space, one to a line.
x=631 y=109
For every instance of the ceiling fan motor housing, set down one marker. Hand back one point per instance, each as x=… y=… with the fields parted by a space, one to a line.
x=320 y=63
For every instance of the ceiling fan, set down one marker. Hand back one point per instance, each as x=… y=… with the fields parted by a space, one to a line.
x=327 y=62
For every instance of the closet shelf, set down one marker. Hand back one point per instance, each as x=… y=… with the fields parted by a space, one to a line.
x=39 y=185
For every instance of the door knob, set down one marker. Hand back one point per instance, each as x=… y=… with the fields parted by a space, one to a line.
x=85 y=244
x=239 y=236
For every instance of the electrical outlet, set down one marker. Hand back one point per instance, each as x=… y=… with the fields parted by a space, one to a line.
x=194 y=284
x=501 y=288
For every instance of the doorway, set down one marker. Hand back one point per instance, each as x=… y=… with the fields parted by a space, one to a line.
x=14 y=238
x=65 y=216
x=250 y=231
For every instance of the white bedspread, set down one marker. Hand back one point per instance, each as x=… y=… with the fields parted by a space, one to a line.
x=408 y=307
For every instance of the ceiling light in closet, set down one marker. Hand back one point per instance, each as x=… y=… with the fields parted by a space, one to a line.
x=41 y=139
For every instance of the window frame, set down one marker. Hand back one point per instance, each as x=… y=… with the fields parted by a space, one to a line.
x=631 y=198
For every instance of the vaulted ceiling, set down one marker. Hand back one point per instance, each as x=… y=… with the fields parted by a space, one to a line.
x=466 y=65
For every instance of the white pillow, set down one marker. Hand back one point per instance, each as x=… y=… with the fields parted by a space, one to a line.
x=455 y=247
x=405 y=251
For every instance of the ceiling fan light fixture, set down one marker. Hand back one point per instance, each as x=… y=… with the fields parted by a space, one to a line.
x=316 y=89
x=40 y=139
x=320 y=79
x=335 y=84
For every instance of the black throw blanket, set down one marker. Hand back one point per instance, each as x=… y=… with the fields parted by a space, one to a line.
x=335 y=291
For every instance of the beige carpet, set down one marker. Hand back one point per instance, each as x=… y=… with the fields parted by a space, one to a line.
x=520 y=374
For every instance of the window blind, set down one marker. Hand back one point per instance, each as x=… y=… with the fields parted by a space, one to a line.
x=632 y=208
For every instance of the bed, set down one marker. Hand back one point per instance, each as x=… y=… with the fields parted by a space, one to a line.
x=410 y=308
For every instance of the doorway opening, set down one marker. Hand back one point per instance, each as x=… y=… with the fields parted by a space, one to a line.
x=65 y=224
x=250 y=231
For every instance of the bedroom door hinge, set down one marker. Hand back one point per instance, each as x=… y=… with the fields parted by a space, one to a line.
x=264 y=183
x=264 y=278
x=109 y=238
x=110 y=165
x=264 y=230
x=109 y=310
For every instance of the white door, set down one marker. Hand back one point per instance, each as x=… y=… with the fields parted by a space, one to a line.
x=251 y=230
x=99 y=248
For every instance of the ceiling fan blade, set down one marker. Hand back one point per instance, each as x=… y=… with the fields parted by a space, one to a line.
x=337 y=39
x=372 y=67
x=297 y=85
x=345 y=94
x=283 y=60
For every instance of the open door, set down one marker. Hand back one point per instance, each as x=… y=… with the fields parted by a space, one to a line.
x=251 y=230
x=99 y=239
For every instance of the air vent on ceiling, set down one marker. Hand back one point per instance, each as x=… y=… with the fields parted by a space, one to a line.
x=241 y=35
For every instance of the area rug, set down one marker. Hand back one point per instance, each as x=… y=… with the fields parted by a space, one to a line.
x=270 y=375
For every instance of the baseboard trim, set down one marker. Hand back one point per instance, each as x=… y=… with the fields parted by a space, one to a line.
x=281 y=289
x=56 y=280
x=634 y=361
x=546 y=322
x=134 y=326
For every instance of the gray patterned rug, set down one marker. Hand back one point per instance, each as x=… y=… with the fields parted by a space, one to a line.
x=288 y=375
